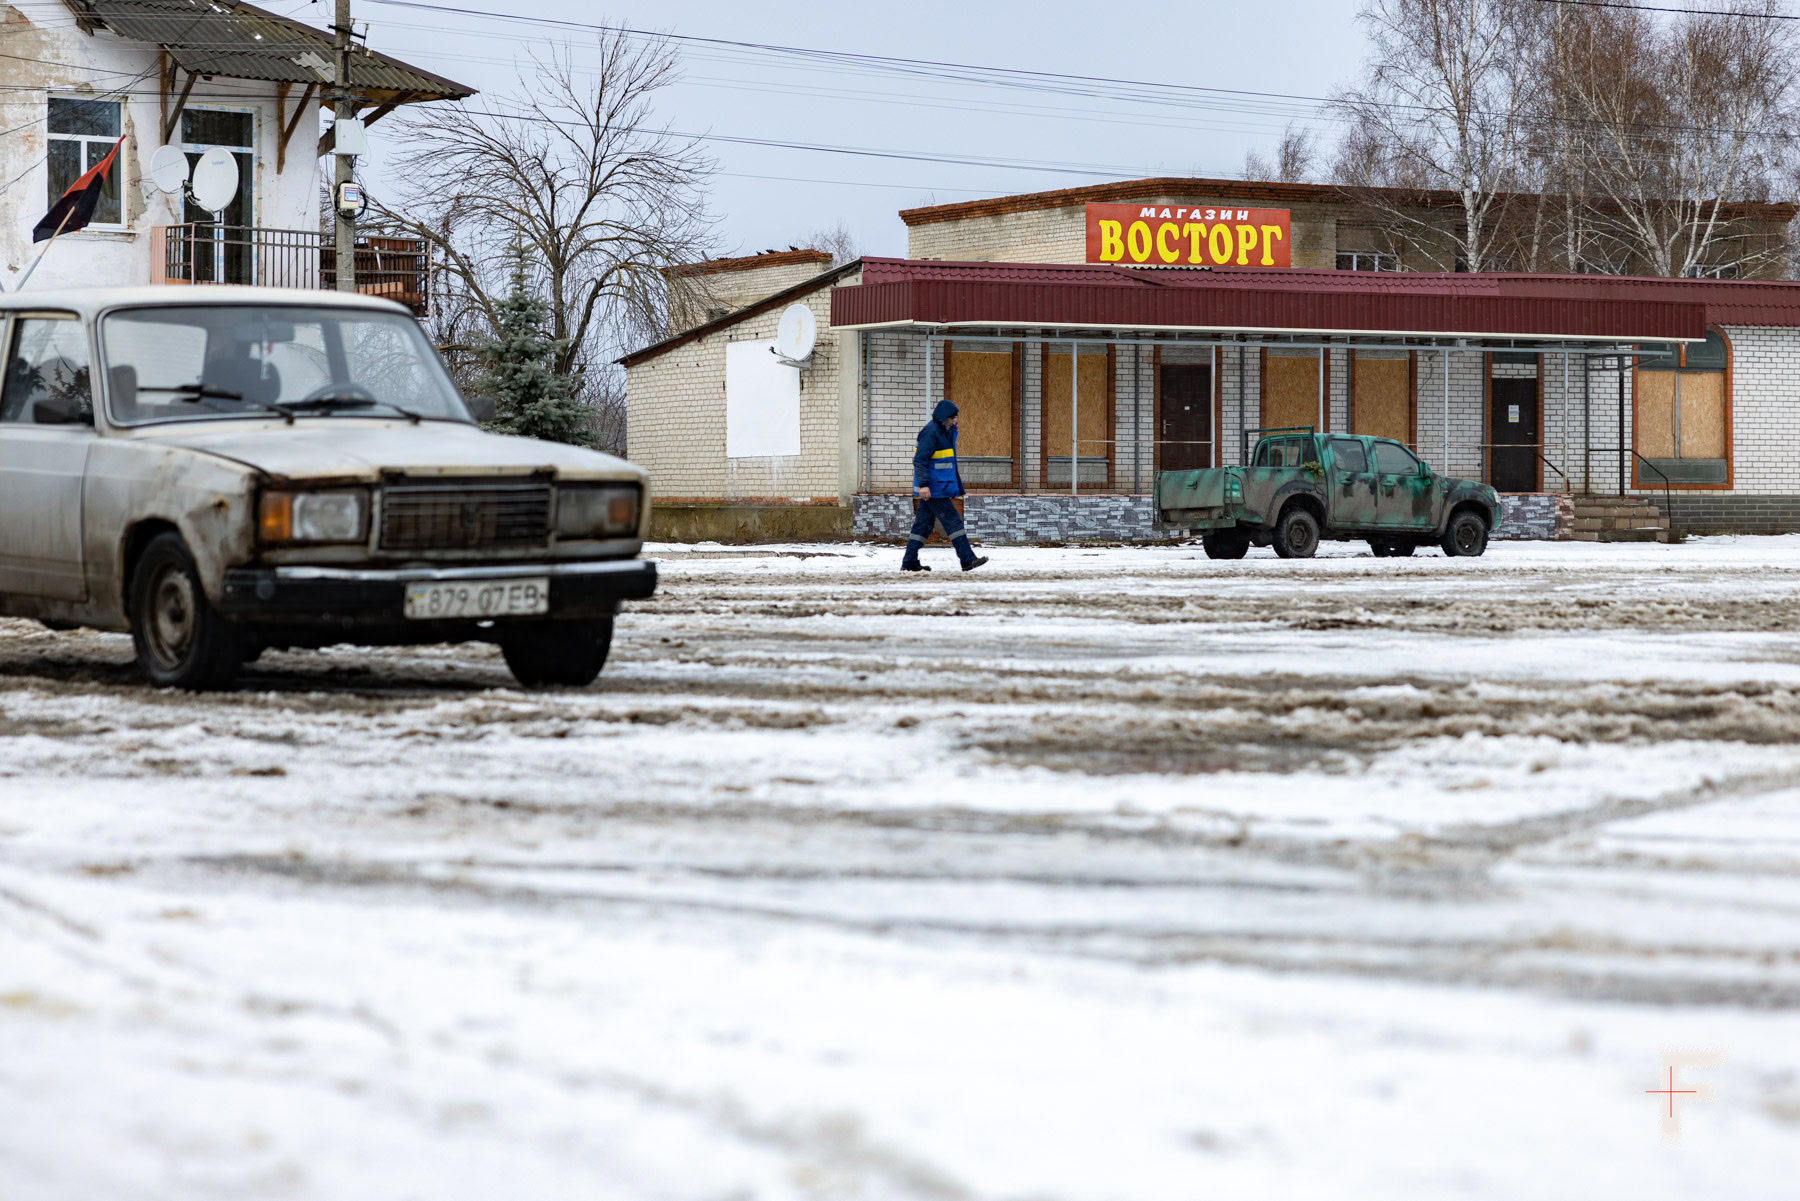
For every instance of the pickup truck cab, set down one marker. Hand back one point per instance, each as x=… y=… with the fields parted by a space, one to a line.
x=1302 y=486
x=224 y=470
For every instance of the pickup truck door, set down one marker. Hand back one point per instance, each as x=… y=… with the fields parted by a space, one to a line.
x=41 y=463
x=1404 y=498
x=1352 y=483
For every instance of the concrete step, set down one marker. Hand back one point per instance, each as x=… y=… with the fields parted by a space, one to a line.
x=1639 y=535
x=1616 y=510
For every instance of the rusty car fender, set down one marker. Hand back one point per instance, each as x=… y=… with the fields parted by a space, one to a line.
x=133 y=489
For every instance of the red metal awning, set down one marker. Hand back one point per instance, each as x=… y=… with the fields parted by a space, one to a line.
x=896 y=292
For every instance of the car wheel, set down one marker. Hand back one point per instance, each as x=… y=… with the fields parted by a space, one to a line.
x=1297 y=534
x=1228 y=545
x=1392 y=550
x=551 y=654
x=1380 y=550
x=181 y=641
x=1466 y=536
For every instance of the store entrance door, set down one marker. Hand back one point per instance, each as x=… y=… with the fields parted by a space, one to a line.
x=1513 y=421
x=1184 y=420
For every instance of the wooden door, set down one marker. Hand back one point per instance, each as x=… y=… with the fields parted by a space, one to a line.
x=1184 y=418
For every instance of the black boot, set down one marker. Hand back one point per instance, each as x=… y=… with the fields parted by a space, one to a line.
x=913 y=565
x=972 y=564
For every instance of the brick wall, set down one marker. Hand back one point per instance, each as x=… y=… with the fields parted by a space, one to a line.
x=1059 y=235
x=675 y=419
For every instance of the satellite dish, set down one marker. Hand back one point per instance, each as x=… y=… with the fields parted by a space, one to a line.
x=797 y=334
x=169 y=168
x=215 y=180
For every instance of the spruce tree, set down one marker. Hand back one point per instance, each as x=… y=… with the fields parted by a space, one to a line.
x=530 y=399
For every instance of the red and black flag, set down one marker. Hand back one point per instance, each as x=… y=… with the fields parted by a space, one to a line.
x=75 y=207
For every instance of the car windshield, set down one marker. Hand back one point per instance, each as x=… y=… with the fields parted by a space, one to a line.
x=223 y=362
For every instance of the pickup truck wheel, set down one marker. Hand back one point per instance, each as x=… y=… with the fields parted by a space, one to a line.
x=1466 y=536
x=1391 y=550
x=550 y=654
x=181 y=641
x=1297 y=534
x=1230 y=544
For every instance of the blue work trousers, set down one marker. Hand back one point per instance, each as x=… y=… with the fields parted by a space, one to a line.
x=939 y=510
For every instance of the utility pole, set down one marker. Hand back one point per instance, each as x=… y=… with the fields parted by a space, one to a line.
x=346 y=109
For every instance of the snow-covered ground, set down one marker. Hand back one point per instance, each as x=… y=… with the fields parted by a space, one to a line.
x=1101 y=873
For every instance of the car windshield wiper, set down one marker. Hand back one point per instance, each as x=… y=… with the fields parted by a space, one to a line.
x=344 y=401
x=204 y=393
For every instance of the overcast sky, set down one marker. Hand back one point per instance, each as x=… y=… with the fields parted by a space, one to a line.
x=773 y=197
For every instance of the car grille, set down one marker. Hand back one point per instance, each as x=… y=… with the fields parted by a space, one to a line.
x=464 y=516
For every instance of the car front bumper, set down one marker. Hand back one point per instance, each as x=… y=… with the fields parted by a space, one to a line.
x=354 y=598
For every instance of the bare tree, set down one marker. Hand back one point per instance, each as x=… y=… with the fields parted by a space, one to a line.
x=575 y=167
x=837 y=241
x=1441 y=107
x=1292 y=161
x=1676 y=122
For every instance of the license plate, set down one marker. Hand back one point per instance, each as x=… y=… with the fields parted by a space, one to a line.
x=478 y=598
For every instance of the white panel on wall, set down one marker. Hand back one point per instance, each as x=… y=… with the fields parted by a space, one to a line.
x=762 y=402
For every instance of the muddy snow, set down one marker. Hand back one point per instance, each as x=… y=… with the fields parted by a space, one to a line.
x=1100 y=873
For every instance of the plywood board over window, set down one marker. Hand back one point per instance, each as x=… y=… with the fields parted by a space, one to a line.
x=1381 y=396
x=1290 y=389
x=981 y=381
x=1094 y=432
x=1681 y=416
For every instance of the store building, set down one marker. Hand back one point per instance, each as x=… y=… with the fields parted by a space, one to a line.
x=1078 y=381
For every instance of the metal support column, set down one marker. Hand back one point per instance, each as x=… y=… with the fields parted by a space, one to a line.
x=1074 y=418
x=1445 y=467
x=1565 y=418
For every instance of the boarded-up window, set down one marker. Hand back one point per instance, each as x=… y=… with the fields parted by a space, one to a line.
x=1290 y=389
x=1682 y=411
x=1381 y=397
x=1095 y=429
x=980 y=384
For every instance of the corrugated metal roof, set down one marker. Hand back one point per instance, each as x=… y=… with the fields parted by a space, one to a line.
x=241 y=41
x=910 y=291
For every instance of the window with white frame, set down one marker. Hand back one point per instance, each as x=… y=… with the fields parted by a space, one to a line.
x=1713 y=271
x=82 y=132
x=1367 y=260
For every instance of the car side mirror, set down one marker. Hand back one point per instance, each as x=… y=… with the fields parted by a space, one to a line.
x=482 y=408
x=61 y=410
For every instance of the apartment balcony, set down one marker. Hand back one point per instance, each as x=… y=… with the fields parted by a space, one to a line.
x=197 y=253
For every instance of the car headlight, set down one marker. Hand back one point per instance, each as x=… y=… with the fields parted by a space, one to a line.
x=339 y=516
x=599 y=511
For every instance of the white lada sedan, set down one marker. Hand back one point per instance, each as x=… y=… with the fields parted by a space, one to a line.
x=224 y=470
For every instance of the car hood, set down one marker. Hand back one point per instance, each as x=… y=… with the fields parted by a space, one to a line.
x=349 y=448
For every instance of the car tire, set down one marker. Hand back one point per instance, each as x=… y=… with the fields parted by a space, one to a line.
x=557 y=654
x=1466 y=536
x=181 y=640
x=1297 y=534
x=1392 y=550
x=1231 y=544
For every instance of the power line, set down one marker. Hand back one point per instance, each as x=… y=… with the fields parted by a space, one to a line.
x=1657 y=8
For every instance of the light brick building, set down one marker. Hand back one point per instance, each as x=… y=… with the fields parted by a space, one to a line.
x=1546 y=386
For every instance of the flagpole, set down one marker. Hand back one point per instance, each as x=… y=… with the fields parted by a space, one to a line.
x=46 y=250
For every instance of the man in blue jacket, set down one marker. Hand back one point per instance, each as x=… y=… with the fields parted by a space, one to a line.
x=936 y=480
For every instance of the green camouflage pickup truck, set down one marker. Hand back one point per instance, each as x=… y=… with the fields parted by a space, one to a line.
x=1302 y=486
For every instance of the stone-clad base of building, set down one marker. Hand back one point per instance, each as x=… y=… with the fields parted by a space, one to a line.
x=748 y=523
x=1737 y=514
x=1001 y=519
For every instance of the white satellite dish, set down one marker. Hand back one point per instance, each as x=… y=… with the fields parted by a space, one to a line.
x=169 y=168
x=215 y=180
x=797 y=334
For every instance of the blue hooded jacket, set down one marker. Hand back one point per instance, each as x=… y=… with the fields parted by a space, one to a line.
x=935 y=461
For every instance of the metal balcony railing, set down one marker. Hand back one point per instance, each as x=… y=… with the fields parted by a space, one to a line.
x=200 y=253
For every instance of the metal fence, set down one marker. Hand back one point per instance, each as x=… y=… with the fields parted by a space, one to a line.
x=202 y=253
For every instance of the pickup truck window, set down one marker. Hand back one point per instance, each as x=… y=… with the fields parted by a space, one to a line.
x=1349 y=454
x=1281 y=452
x=1393 y=459
x=48 y=360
